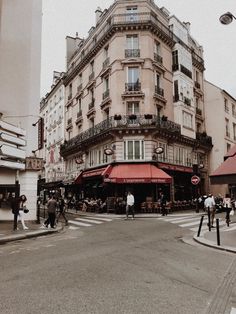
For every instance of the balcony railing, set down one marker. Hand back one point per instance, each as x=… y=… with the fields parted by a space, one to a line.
x=91 y=105
x=106 y=94
x=155 y=123
x=187 y=101
x=159 y=91
x=132 y=53
x=198 y=111
x=185 y=71
x=204 y=139
x=197 y=85
x=158 y=58
x=91 y=76
x=106 y=63
x=132 y=87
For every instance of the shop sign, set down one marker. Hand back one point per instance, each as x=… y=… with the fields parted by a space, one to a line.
x=34 y=163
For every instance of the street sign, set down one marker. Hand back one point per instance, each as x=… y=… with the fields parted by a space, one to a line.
x=195 y=180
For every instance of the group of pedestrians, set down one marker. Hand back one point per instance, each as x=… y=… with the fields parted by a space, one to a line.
x=52 y=206
x=210 y=203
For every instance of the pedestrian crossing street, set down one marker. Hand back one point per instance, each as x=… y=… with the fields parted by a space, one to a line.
x=191 y=221
x=87 y=221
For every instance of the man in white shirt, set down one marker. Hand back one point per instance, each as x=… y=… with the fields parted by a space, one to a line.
x=210 y=204
x=130 y=205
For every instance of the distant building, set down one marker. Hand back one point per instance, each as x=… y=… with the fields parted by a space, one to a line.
x=52 y=113
x=20 y=52
x=220 y=108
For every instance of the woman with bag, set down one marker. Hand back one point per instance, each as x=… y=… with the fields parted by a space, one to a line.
x=22 y=210
x=228 y=207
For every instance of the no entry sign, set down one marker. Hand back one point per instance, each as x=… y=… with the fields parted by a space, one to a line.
x=195 y=180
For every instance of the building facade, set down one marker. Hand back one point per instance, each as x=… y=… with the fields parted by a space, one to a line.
x=130 y=87
x=220 y=109
x=20 y=51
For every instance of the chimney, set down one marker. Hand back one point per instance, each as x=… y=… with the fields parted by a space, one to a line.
x=187 y=24
x=98 y=14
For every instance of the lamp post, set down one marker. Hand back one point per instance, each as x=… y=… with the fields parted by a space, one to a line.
x=227 y=18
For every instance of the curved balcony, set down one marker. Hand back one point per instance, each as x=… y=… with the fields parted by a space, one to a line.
x=105 y=127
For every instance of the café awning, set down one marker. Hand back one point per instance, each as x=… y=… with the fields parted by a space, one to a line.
x=137 y=173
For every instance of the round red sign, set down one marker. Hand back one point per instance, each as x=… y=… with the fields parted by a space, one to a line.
x=195 y=180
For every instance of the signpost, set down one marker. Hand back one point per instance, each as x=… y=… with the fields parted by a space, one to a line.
x=195 y=180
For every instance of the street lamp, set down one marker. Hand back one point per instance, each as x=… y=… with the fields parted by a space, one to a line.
x=227 y=18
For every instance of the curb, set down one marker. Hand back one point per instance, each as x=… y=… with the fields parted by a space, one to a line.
x=203 y=241
x=31 y=234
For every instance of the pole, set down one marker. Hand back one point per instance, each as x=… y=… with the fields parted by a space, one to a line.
x=38 y=211
x=209 y=218
x=218 y=231
x=200 y=226
x=196 y=198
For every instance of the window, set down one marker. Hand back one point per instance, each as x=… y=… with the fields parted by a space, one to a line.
x=226 y=105
x=106 y=84
x=133 y=75
x=227 y=133
x=233 y=110
x=162 y=156
x=228 y=147
x=132 y=42
x=175 y=59
x=157 y=48
x=187 y=120
x=178 y=155
x=132 y=14
x=106 y=52
x=234 y=130
x=133 y=107
x=134 y=150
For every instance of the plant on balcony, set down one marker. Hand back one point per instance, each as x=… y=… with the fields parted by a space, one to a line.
x=164 y=118
x=132 y=117
x=117 y=117
x=148 y=116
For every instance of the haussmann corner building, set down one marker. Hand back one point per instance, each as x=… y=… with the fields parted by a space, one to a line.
x=135 y=84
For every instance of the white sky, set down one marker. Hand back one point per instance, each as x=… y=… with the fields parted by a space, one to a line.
x=66 y=17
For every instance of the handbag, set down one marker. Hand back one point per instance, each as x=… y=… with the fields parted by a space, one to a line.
x=25 y=210
x=231 y=212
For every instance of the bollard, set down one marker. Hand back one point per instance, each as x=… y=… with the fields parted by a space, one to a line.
x=209 y=218
x=218 y=231
x=200 y=226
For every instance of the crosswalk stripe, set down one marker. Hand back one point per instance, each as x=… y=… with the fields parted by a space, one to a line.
x=99 y=218
x=170 y=219
x=196 y=220
x=189 y=224
x=82 y=224
x=196 y=228
x=89 y=220
x=230 y=228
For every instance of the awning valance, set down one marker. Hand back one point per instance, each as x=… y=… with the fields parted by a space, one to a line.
x=137 y=173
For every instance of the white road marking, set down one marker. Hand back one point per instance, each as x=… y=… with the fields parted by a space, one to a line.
x=89 y=220
x=82 y=224
x=99 y=218
x=73 y=228
x=233 y=310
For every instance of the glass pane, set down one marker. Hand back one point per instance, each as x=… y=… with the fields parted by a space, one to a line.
x=130 y=150
x=136 y=150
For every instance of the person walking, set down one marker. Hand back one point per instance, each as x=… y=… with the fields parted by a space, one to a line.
x=163 y=204
x=61 y=206
x=130 y=205
x=209 y=205
x=228 y=207
x=18 y=207
x=52 y=206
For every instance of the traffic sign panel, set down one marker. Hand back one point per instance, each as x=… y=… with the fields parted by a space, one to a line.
x=195 y=180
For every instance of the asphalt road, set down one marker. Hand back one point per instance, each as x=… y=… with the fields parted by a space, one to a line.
x=140 y=266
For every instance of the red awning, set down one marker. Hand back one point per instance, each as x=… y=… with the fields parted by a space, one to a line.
x=137 y=173
x=94 y=172
x=225 y=173
x=78 y=180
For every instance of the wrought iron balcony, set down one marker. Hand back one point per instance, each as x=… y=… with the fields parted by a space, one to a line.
x=132 y=87
x=124 y=122
x=91 y=76
x=158 y=58
x=204 y=139
x=106 y=94
x=132 y=53
x=184 y=70
x=197 y=85
x=106 y=63
x=187 y=101
x=159 y=91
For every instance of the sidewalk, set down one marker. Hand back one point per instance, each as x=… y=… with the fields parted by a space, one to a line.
x=7 y=234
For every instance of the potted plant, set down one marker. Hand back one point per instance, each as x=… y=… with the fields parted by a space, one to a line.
x=117 y=117
x=164 y=118
x=132 y=117
x=148 y=116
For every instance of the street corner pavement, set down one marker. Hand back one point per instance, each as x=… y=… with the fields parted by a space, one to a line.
x=7 y=234
x=225 y=242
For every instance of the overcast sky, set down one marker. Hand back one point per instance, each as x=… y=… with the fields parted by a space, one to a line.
x=66 y=17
